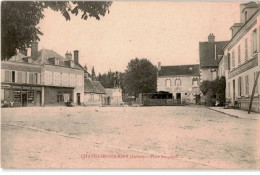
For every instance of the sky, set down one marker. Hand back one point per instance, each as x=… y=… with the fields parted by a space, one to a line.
x=166 y=32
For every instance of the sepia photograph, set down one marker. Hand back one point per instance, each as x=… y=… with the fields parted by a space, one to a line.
x=130 y=85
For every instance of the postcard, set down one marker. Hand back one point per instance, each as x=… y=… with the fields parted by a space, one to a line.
x=130 y=85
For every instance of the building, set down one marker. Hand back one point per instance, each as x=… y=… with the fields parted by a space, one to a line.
x=113 y=97
x=242 y=53
x=44 y=78
x=94 y=93
x=21 y=81
x=210 y=53
x=182 y=81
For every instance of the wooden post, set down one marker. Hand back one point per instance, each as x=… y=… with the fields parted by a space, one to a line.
x=253 y=93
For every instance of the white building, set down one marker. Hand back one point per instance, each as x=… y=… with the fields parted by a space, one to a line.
x=242 y=55
x=182 y=81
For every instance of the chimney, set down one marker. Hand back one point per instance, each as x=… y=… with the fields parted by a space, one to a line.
x=76 y=56
x=24 y=52
x=211 y=37
x=34 y=50
x=68 y=56
x=242 y=15
x=159 y=65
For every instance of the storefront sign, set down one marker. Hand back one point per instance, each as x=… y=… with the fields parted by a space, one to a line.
x=248 y=65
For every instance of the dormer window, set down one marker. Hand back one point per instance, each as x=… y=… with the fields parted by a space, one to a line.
x=72 y=64
x=245 y=16
x=57 y=62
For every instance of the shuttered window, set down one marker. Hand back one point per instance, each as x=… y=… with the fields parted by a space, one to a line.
x=2 y=75
x=19 y=77
x=8 y=76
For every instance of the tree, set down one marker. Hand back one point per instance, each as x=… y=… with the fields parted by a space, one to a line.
x=93 y=74
x=19 y=20
x=140 y=77
x=214 y=91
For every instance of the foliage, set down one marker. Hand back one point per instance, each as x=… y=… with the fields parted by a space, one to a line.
x=140 y=77
x=19 y=20
x=214 y=91
x=108 y=79
x=93 y=74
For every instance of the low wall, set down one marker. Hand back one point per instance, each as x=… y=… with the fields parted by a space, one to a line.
x=245 y=101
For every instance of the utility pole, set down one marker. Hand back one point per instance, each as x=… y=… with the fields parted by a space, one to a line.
x=253 y=93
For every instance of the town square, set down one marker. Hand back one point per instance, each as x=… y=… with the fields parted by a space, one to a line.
x=102 y=84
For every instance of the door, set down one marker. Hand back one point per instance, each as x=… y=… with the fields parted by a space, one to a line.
x=38 y=98
x=234 y=91
x=178 y=97
x=78 y=98
x=24 y=100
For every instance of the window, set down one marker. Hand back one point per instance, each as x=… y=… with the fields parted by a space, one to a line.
x=60 y=97
x=256 y=88
x=17 y=96
x=254 y=42
x=239 y=87
x=228 y=90
x=233 y=60
x=168 y=83
x=65 y=79
x=246 y=50
x=57 y=78
x=245 y=16
x=247 y=85
x=2 y=94
x=79 y=80
x=66 y=97
x=238 y=55
x=72 y=80
x=13 y=76
x=2 y=75
x=178 y=82
x=30 y=96
x=194 y=81
x=48 y=77
x=57 y=61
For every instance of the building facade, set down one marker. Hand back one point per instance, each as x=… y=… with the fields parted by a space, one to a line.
x=21 y=82
x=210 y=52
x=113 y=97
x=94 y=93
x=44 y=78
x=243 y=56
x=182 y=81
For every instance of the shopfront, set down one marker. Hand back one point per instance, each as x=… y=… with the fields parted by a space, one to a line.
x=58 y=95
x=16 y=96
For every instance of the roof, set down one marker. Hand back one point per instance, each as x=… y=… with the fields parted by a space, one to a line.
x=44 y=55
x=207 y=53
x=252 y=16
x=98 y=88
x=20 y=58
x=93 y=87
x=179 y=70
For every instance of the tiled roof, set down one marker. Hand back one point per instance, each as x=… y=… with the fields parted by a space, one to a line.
x=44 y=55
x=207 y=53
x=93 y=87
x=20 y=58
x=98 y=88
x=179 y=70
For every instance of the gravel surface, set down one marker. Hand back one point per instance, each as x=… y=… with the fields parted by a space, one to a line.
x=128 y=137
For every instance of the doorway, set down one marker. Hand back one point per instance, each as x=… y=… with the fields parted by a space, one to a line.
x=38 y=98
x=178 y=97
x=234 y=91
x=24 y=100
x=78 y=98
